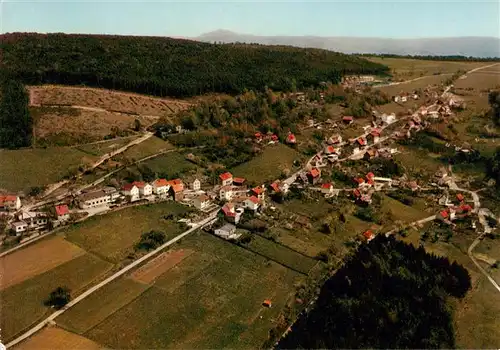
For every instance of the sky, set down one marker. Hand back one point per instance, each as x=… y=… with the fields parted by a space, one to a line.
x=368 y=18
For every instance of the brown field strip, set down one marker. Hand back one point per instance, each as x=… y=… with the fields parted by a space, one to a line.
x=55 y=338
x=36 y=259
x=161 y=264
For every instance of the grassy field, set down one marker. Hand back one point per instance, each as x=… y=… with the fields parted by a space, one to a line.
x=36 y=259
x=22 y=304
x=99 y=149
x=112 y=236
x=403 y=68
x=169 y=165
x=417 y=84
x=398 y=211
x=22 y=169
x=55 y=338
x=269 y=165
x=280 y=254
x=211 y=299
x=106 y=99
x=149 y=147
x=66 y=126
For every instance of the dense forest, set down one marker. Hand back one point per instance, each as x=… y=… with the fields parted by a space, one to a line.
x=389 y=295
x=171 y=67
x=15 y=120
x=455 y=58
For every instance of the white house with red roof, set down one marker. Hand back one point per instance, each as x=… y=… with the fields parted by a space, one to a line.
x=374 y=135
x=291 y=138
x=252 y=203
x=368 y=235
x=361 y=141
x=10 y=202
x=131 y=190
x=258 y=192
x=334 y=139
x=62 y=212
x=327 y=188
x=331 y=150
x=314 y=175
x=226 y=179
x=145 y=189
x=226 y=193
x=231 y=213
x=160 y=187
x=348 y=119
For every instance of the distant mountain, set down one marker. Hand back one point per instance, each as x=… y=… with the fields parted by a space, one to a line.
x=464 y=46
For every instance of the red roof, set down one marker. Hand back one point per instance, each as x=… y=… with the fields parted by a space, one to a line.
x=357 y=193
x=330 y=149
x=359 y=180
x=258 y=190
x=139 y=184
x=275 y=186
x=128 y=187
x=176 y=182
x=238 y=180
x=327 y=186
x=370 y=181
x=160 y=182
x=8 y=198
x=347 y=118
x=62 y=210
x=460 y=197
x=291 y=138
x=274 y=137
x=465 y=207
x=178 y=187
x=314 y=172
x=361 y=141
x=375 y=132
x=444 y=214
x=368 y=234
x=254 y=199
x=228 y=209
x=258 y=135
x=226 y=176
x=370 y=175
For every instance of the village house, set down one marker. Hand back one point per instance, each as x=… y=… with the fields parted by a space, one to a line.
x=160 y=187
x=314 y=175
x=348 y=119
x=35 y=220
x=275 y=187
x=258 y=137
x=10 y=202
x=201 y=202
x=62 y=212
x=226 y=193
x=259 y=192
x=374 y=135
x=226 y=179
x=371 y=153
x=252 y=203
x=238 y=181
x=327 y=188
x=227 y=231
x=176 y=189
x=413 y=185
x=460 y=197
x=388 y=118
x=361 y=141
x=196 y=185
x=335 y=139
x=145 y=189
x=368 y=235
x=131 y=192
x=19 y=227
x=95 y=199
x=231 y=213
x=331 y=150
x=291 y=139
x=274 y=138
x=112 y=193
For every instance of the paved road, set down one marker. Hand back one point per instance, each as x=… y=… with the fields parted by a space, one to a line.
x=92 y=290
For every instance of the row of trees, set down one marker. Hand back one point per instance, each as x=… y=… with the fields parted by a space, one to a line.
x=388 y=295
x=16 y=125
x=171 y=67
x=455 y=58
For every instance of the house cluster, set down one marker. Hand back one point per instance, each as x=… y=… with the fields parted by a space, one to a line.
x=405 y=97
x=454 y=211
x=28 y=221
x=268 y=137
x=10 y=202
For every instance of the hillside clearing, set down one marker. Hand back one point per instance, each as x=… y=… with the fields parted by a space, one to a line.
x=269 y=165
x=25 y=168
x=147 y=148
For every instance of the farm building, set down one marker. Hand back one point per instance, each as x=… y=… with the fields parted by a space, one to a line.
x=226 y=179
x=96 y=199
x=348 y=119
x=62 y=212
x=201 y=202
x=238 y=181
x=19 y=227
x=227 y=231
x=10 y=202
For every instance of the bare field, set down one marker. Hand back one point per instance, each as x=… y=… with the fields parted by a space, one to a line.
x=406 y=68
x=417 y=84
x=65 y=126
x=159 y=265
x=107 y=99
x=55 y=338
x=36 y=259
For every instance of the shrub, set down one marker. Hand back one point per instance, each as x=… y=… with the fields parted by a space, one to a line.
x=58 y=297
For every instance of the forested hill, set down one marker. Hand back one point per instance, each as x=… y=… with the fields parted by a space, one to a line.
x=171 y=67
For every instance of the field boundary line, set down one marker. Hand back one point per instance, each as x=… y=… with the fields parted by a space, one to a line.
x=121 y=272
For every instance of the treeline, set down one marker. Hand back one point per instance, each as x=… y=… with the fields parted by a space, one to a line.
x=171 y=67
x=16 y=125
x=389 y=295
x=456 y=58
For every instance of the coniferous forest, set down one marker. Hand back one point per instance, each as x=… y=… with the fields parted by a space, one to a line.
x=15 y=120
x=171 y=67
x=389 y=295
